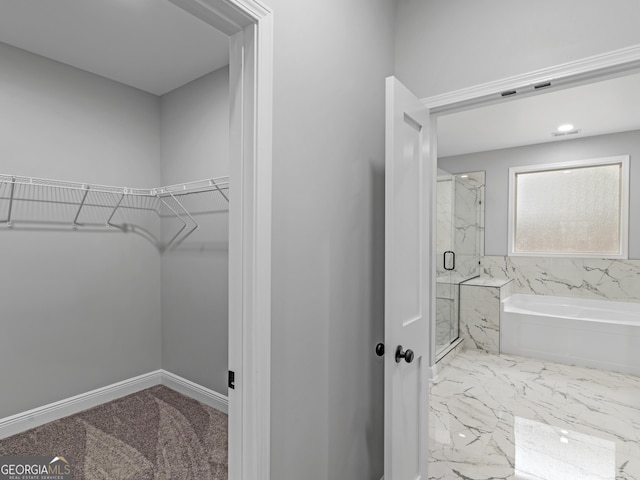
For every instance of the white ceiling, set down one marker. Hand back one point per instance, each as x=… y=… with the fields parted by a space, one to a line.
x=152 y=45
x=598 y=108
x=155 y=46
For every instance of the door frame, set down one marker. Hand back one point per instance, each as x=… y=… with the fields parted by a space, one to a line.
x=566 y=75
x=249 y=24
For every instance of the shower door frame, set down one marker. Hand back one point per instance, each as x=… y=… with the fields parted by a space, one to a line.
x=570 y=74
x=441 y=350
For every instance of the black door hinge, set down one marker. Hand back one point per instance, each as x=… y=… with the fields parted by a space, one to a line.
x=232 y=379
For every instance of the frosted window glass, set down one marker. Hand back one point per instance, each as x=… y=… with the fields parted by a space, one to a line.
x=569 y=211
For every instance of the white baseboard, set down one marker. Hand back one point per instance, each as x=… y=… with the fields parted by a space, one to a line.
x=197 y=392
x=63 y=408
x=54 y=411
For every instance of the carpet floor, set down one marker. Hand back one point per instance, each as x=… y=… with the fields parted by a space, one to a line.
x=155 y=434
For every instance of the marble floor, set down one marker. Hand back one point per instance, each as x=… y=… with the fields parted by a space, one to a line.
x=506 y=417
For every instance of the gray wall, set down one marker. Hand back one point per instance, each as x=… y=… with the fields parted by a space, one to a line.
x=443 y=46
x=331 y=58
x=79 y=310
x=195 y=145
x=496 y=163
x=91 y=309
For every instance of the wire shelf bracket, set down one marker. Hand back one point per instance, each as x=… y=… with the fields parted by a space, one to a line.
x=37 y=203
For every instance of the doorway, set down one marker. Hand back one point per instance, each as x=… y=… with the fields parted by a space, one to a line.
x=248 y=26
x=502 y=438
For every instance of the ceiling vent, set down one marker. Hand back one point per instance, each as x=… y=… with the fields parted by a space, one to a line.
x=564 y=134
x=542 y=85
x=537 y=86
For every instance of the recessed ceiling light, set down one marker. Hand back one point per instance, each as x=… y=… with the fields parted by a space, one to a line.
x=566 y=127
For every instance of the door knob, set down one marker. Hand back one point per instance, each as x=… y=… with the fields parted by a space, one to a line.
x=406 y=354
x=380 y=349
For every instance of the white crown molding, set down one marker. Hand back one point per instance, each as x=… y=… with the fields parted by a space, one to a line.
x=255 y=8
x=228 y=16
x=610 y=61
x=220 y=14
x=36 y=417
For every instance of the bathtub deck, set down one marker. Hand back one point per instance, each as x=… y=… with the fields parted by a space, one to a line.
x=509 y=417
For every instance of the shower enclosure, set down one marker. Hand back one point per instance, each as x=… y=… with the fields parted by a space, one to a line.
x=459 y=244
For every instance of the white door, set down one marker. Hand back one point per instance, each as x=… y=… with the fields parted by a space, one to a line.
x=408 y=201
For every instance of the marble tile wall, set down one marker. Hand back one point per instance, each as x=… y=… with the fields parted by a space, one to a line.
x=447 y=301
x=466 y=235
x=459 y=226
x=480 y=317
x=444 y=322
x=568 y=277
x=444 y=214
x=480 y=312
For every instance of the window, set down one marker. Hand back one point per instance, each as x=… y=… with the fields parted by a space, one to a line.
x=570 y=209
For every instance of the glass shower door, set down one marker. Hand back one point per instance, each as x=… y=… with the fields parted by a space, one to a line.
x=446 y=293
x=459 y=236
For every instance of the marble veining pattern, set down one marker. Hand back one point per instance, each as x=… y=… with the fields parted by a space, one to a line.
x=487 y=282
x=459 y=225
x=480 y=317
x=458 y=230
x=444 y=214
x=444 y=323
x=507 y=417
x=453 y=351
x=447 y=301
x=609 y=279
x=467 y=228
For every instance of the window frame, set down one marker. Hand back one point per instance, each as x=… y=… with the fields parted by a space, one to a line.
x=623 y=241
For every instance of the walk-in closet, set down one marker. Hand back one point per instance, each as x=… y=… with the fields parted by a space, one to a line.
x=114 y=201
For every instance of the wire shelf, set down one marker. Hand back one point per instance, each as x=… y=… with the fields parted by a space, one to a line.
x=37 y=203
